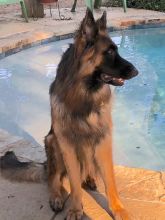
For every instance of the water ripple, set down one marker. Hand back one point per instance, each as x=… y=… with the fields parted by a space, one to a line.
x=5 y=74
x=51 y=70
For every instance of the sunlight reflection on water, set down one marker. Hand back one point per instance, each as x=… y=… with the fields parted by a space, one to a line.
x=5 y=74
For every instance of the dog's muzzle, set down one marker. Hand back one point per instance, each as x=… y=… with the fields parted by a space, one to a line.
x=112 y=80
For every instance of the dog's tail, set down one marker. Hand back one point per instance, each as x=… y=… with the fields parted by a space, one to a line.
x=12 y=169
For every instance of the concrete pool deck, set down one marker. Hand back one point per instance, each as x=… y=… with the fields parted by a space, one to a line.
x=16 y=35
x=142 y=191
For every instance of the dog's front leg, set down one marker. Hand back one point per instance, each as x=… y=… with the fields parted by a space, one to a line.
x=103 y=156
x=72 y=164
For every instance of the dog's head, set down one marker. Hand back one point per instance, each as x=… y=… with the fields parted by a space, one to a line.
x=98 y=54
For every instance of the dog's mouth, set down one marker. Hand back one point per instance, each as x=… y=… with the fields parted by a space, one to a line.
x=112 y=80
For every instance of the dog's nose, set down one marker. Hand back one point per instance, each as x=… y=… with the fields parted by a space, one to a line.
x=134 y=72
x=129 y=72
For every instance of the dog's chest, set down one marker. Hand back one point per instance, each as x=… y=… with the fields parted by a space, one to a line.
x=90 y=130
x=82 y=130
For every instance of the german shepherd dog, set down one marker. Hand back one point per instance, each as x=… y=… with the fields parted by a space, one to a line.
x=79 y=142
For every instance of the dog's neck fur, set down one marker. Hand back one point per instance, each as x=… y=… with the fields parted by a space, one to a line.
x=75 y=93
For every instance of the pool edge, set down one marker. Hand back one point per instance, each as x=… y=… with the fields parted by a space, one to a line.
x=44 y=38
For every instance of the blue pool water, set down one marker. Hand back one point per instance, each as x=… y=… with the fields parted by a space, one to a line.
x=138 y=109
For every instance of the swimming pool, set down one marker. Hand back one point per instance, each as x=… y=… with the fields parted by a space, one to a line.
x=139 y=106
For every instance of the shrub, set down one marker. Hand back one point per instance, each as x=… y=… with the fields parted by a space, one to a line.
x=157 y=5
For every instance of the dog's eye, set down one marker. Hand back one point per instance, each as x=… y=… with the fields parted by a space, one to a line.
x=110 y=51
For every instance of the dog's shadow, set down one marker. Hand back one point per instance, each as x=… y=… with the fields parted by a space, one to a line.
x=101 y=200
x=96 y=195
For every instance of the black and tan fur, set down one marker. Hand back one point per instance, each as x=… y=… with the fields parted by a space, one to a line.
x=79 y=142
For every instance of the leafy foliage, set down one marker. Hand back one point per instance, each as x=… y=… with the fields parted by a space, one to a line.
x=157 y=5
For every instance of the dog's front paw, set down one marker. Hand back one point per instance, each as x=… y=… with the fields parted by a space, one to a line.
x=56 y=203
x=121 y=214
x=74 y=214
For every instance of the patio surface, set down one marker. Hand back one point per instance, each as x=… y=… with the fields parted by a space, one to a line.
x=16 y=34
x=142 y=191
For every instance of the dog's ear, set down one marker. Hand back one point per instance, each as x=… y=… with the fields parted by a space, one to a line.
x=102 y=23
x=88 y=27
x=87 y=32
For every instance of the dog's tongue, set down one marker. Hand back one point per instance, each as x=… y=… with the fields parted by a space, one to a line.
x=117 y=81
x=112 y=80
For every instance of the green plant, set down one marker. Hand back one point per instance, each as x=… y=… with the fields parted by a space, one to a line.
x=158 y=5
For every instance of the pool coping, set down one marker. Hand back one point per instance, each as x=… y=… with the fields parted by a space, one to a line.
x=44 y=38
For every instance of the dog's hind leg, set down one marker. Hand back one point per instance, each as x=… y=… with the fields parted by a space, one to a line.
x=89 y=183
x=56 y=171
x=103 y=156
